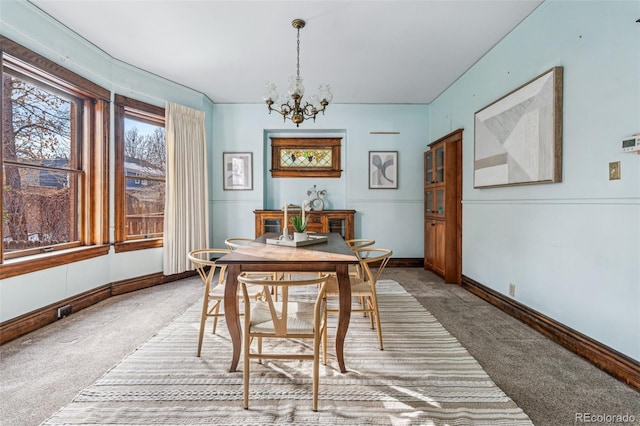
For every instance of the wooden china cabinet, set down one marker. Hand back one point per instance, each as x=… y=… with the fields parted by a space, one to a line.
x=340 y=221
x=443 y=207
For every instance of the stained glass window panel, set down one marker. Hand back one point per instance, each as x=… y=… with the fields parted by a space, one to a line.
x=305 y=158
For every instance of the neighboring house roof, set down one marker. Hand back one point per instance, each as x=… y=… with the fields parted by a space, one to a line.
x=138 y=167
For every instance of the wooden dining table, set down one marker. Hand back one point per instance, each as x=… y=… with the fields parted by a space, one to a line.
x=333 y=255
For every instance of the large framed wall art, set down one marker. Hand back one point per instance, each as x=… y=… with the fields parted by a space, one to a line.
x=518 y=138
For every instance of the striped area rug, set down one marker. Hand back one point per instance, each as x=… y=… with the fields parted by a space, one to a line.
x=423 y=377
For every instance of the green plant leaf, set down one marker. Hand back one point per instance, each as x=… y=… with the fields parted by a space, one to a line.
x=298 y=224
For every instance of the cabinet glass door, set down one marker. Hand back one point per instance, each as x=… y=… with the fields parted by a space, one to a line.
x=440 y=165
x=272 y=225
x=428 y=168
x=428 y=202
x=337 y=225
x=440 y=201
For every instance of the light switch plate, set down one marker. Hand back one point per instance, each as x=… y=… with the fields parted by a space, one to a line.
x=614 y=170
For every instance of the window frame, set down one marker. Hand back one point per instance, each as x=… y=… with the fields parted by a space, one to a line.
x=93 y=215
x=142 y=111
x=332 y=145
x=17 y=70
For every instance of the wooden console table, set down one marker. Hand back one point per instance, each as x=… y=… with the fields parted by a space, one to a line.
x=339 y=221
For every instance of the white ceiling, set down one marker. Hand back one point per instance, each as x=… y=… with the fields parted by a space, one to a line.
x=368 y=51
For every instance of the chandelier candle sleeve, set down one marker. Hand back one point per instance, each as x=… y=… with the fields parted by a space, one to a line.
x=285 y=231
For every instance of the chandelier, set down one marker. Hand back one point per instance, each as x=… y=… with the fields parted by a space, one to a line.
x=296 y=112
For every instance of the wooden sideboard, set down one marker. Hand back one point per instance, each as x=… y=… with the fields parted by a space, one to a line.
x=340 y=221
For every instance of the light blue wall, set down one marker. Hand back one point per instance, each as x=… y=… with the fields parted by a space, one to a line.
x=573 y=248
x=25 y=24
x=392 y=217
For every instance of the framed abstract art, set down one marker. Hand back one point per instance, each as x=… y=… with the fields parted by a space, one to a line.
x=518 y=138
x=383 y=169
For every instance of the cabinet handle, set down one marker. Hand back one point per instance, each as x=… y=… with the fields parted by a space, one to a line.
x=433 y=224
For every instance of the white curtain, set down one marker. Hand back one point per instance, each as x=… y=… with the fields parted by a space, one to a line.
x=186 y=219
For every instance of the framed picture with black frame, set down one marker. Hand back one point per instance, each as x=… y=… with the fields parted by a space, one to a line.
x=383 y=169
x=237 y=170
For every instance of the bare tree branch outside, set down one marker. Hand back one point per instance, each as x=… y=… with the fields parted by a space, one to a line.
x=39 y=165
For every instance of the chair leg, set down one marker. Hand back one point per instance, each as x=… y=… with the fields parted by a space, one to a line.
x=324 y=338
x=371 y=308
x=203 y=320
x=377 y=314
x=216 y=313
x=316 y=372
x=363 y=302
x=246 y=370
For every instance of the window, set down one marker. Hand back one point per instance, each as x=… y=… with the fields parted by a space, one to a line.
x=140 y=174
x=54 y=164
x=305 y=157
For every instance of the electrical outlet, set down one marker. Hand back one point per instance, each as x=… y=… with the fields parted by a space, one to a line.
x=614 y=170
x=512 y=290
x=64 y=311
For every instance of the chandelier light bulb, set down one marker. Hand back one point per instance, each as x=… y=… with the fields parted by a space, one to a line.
x=296 y=88
x=324 y=93
x=313 y=100
x=270 y=93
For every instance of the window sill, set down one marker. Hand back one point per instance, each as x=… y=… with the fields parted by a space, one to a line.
x=28 y=264
x=138 y=244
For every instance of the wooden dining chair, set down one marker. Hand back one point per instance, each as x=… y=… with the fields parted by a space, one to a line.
x=355 y=244
x=204 y=263
x=372 y=261
x=286 y=319
x=236 y=242
x=360 y=243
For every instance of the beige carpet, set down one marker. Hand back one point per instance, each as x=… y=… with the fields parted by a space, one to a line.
x=423 y=377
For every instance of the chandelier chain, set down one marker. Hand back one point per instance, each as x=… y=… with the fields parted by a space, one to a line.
x=298 y=54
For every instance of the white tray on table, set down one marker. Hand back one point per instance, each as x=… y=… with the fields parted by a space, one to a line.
x=311 y=239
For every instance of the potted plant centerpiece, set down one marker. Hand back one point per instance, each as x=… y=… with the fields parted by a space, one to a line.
x=299 y=223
